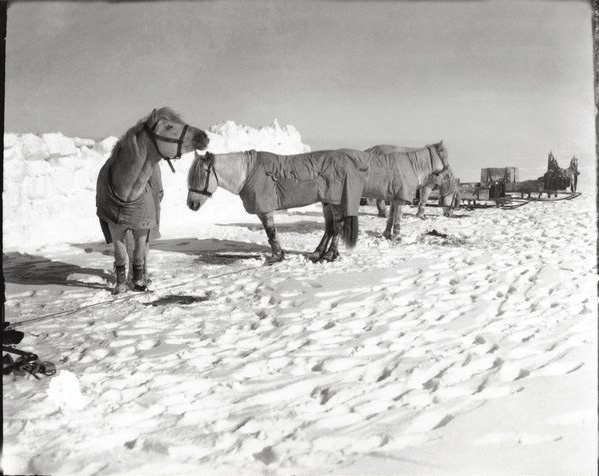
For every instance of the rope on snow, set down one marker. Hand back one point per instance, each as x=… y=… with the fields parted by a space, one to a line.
x=125 y=297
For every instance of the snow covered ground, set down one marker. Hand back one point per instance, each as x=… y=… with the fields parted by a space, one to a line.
x=474 y=353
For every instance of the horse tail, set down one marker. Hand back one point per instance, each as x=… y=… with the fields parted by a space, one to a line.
x=349 y=233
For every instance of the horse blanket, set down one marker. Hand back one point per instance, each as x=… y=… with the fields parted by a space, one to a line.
x=141 y=213
x=392 y=177
x=278 y=182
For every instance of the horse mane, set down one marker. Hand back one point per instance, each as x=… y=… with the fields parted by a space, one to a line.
x=422 y=154
x=446 y=180
x=441 y=150
x=193 y=176
x=384 y=149
x=128 y=141
x=167 y=114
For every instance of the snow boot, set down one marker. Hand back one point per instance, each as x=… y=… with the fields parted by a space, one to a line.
x=121 y=279
x=139 y=281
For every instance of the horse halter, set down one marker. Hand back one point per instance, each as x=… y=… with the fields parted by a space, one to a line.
x=210 y=168
x=156 y=137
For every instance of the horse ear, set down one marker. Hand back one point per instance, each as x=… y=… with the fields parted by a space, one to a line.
x=152 y=117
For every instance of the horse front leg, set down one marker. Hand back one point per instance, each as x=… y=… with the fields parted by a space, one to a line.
x=454 y=205
x=141 y=239
x=118 y=234
x=425 y=191
x=317 y=254
x=268 y=222
x=392 y=230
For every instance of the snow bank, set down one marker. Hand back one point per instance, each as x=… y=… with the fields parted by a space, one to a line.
x=50 y=182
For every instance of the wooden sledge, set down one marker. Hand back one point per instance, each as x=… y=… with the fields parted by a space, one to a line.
x=506 y=195
x=533 y=190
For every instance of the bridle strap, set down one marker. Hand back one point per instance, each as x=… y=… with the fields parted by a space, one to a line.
x=205 y=191
x=430 y=154
x=155 y=137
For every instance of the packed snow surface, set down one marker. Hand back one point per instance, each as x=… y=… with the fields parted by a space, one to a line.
x=467 y=351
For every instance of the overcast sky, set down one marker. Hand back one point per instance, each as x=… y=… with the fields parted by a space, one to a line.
x=502 y=82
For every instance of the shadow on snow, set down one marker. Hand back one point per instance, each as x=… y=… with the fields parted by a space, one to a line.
x=23 y=268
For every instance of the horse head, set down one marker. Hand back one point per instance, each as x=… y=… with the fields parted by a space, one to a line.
x=441 y=151
x=449 y=192
x=202 y=181
x=171 y=136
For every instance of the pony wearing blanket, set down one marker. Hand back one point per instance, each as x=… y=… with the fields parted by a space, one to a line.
x=397 y=177
x=448 y=189
x=129 y=189
x=266 y=182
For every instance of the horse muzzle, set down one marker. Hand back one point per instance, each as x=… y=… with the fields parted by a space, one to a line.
x=194 y=206
x=193 y=201
x=200 y=140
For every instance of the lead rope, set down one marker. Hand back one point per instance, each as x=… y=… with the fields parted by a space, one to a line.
x=128 y=296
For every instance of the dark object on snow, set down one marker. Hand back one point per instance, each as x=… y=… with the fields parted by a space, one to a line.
x=436 y=233
x=10 y=336
x=27 y=362
x=175 y=299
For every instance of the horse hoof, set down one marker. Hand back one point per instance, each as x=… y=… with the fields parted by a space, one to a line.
x=328 y=257
x=120 y=288
x=393 y=238
x=314 y=257
x=140 y=286
x=275 y=259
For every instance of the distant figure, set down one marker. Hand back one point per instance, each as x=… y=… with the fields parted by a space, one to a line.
x=556 y=178
x=572 y=173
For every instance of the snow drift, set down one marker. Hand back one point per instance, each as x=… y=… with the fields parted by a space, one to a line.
x=50 y=182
